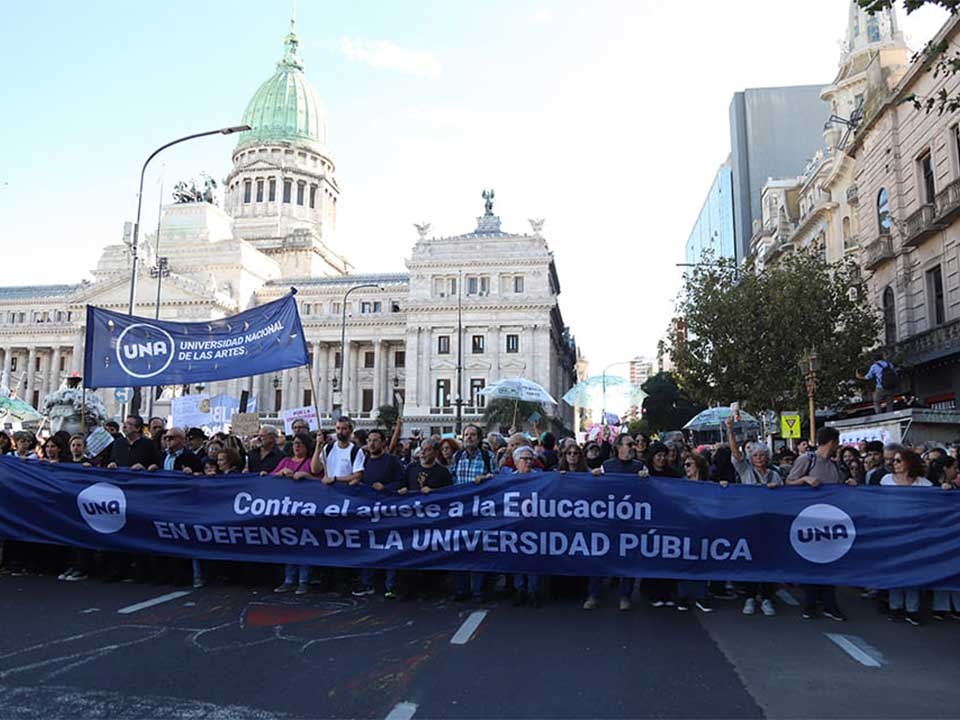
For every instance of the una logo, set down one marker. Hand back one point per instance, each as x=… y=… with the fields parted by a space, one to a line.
x=144 y=350
x=822 y=533
x=104 y=507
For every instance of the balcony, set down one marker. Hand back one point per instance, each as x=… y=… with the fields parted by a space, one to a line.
x=851 y=244
x=852 y=197
x=930 y=345
x=878 y=251
x=948 y=202
x=920 y=225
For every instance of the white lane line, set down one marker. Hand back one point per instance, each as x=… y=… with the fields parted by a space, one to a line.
x=856 y=648
x=150 y=603
x=787 y=597
x=89 y=610
x=402 y=711
x=469 y=627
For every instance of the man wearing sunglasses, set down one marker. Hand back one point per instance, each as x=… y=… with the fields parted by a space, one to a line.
x=625 y=462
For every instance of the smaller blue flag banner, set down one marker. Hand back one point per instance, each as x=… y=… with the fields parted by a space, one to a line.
x=572 y=524
x=128 y=351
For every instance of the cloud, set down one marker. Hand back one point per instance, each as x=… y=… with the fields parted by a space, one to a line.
x=541 y=16
x=385 y=55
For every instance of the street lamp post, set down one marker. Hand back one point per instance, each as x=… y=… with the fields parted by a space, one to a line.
x=809 y=365
x=136 y=225
x=343 y=336
x=143 y=171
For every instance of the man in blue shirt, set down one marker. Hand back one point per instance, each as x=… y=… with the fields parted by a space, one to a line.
x=882 y=395
x=384 y=473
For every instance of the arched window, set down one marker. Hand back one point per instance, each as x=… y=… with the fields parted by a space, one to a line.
x=889 y=317
x=873 y=29
x=883 y=210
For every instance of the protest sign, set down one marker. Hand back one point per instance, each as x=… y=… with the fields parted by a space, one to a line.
x=245 y=424
x=125 y=350
x=98 y=441
x=534 y=523
x=190 y=410
x=308 y=413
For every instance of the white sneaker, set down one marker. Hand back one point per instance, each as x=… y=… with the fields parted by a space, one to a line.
x=749 y=606
x=767 y=608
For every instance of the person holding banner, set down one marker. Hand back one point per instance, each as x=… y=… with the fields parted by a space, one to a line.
x=383 y=472
x=296 y=577
x=176 y=456
x=264 y=460
x=132 y=449
x=526 y=587
x=340 y=460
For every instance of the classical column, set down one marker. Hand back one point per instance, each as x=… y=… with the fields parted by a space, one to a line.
x=334 y=372
x=411 y=347
x=354 y=378
x=377 y=372
x=31 y=374
x=315 y=387
x=76 y=358
x=321 y=376
x=426 y=389
x=55 y=370
x=346 y=371
x=496 y=338
x=5 y=376
x=386 y=387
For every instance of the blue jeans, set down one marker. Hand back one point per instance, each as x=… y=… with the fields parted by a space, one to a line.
x=827 y=594
x=905 y=596
x=942 y=600
x=367 y=575
x=692 y=589
x=471 y=582
x=532 y=583
x=296 y=574
x=626 y=587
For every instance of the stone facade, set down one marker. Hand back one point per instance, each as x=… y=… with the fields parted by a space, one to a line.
x=276 y=231
x=908 y=181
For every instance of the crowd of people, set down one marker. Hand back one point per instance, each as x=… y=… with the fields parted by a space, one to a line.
x=390 y=463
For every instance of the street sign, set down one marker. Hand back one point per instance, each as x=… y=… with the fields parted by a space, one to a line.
x=790 y=425
x=123 y=394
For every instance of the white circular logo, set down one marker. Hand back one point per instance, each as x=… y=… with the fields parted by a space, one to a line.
x=822 y=533
x=144 y=350
x=104 y=507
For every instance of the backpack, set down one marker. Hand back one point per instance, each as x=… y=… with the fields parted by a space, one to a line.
x=888 y=376
x=354 y=449
x=485 y=454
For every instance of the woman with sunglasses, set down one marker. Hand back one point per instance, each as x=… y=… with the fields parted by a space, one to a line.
x=694 y=592
x=572 y=459
x=526 y=587
x=907 y=472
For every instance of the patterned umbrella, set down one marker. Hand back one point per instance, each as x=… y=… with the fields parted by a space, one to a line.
x=713 y=419
x=612 y=388
x=519 y=389
x=17 y=409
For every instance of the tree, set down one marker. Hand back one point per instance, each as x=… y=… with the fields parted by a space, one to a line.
x=502 y=412
x=741 y=334
x=666 y=406
x=387 y=416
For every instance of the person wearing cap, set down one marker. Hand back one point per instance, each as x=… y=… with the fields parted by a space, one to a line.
x=526 y=587
x=195 y=440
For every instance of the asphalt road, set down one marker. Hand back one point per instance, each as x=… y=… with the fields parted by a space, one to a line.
x=98 y=650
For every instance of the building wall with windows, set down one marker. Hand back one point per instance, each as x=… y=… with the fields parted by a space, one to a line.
x=908 y=180
x=713 y=232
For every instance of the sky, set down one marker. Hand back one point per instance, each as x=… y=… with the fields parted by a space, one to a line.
x=608 y=118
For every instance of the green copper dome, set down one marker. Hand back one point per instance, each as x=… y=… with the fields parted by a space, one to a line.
x=286 y=107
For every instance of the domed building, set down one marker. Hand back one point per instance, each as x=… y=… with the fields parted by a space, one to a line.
x=277 y=229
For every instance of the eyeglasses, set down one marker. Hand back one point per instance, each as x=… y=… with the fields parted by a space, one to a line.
x=629 y=444
x=689 y=464
x=898 y=460
x=525 y=458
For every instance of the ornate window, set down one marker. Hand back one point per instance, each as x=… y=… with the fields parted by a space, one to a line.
x=883 y=210
x=259 y=190
x=247 y=186
x=272 y=189
x=300 y=187
x=287 y=187
x=889 y=317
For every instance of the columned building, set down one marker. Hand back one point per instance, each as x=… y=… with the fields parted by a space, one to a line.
x=488 y=297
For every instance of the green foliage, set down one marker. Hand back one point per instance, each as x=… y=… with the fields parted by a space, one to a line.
x=743 y=334
x=499 y=413
x=666 y=406
x=387 y=416
x=873 y=6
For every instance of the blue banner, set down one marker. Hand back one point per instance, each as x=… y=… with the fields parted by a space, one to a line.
x=124 y=350
x=573 y=524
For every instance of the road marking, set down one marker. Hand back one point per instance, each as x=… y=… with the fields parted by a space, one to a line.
x=858 y=649
x=469 y=627
x=402 y=711
x=150 y=603
x=89 y=610
x=787 y=597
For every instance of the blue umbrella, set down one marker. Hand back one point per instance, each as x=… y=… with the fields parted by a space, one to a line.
x=592 y=390
x=713 y=419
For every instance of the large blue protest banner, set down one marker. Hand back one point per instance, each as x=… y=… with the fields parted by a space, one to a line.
x=129 y=351
x=573 y=524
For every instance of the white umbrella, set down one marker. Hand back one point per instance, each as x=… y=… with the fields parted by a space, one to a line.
x=518 y=389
